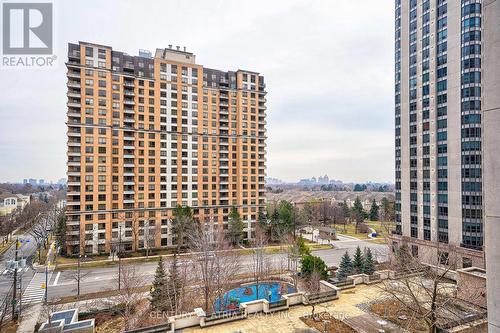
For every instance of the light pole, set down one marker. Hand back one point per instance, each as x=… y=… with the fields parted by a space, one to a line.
x=14 y=289
x=46 y=282
x=119 y=257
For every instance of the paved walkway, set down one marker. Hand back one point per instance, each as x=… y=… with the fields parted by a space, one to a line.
x=345 y=309
x=29 y=318
x=33 y=296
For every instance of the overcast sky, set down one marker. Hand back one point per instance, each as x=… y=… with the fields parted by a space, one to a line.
x=328 y=67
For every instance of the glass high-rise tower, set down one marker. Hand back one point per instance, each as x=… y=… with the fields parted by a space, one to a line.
x=438 y=130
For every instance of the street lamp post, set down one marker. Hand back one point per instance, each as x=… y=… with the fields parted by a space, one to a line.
x=119 y=257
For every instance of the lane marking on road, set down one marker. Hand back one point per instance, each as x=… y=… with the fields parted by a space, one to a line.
x=57 y=278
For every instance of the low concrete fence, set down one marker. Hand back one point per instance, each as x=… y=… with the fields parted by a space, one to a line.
x=328 y=292
x=222 y=317
x=348 y=283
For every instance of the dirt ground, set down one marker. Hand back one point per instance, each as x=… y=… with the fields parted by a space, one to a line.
x=333 y=325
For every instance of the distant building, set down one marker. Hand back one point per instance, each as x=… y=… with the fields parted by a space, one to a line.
x=32 y=181
x=41 y=182
x=327 y=233
x=25 y=181
x=62 y=181
x=10 y=202
x=323 y=179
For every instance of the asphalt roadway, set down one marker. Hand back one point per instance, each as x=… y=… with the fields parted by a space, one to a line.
x=63 y=283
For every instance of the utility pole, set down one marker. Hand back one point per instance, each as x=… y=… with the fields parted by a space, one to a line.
x=14 y=289
x=46 y=281
x=119 y=257
x=78 y=275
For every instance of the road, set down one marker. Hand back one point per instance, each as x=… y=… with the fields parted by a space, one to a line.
x=26 y=250
x=63 y=283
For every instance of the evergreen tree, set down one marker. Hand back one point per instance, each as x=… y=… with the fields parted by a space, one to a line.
x=182 y=224
x=369 y=264
x=262 y=222
x=60 y=233
x=302 y=248
x=374 y=211
x=358 y=261
x=173 y=288
x=357 y=213
x=236 y=225
x=345 y=267
x=310 y=264
x=158 y=287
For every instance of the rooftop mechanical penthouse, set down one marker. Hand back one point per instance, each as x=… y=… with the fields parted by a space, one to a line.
x=147 y=133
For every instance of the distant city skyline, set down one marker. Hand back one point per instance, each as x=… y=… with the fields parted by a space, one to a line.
x=330 y=109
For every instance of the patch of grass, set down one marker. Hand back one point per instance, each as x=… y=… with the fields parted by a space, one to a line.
x=394 y=311
x=316 y=247
x=350 y=230
x=96 y=295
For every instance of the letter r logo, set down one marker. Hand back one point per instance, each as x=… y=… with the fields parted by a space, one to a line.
x=27 y=28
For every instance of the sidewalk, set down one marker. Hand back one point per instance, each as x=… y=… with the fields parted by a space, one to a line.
x=29 y=318
x=155 y=257
x=31 y=313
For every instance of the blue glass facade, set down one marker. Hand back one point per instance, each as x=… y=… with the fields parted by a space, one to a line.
x=471 y=159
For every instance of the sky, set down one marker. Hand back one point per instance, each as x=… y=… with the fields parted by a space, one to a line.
x=328 y=67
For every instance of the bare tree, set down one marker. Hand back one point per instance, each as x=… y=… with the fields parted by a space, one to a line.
x=312 y=285
x=4 y=306
x=259 y=260
x=217 y=264
x=150 y=234
x=130 y=279
x=429 y=297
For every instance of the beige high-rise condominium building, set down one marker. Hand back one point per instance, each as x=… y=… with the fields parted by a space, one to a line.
x=147 y=133
x=439 y=139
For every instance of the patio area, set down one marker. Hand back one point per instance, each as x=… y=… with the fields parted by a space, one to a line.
x=347 y=308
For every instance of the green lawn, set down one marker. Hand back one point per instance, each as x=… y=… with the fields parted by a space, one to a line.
x=350 y=230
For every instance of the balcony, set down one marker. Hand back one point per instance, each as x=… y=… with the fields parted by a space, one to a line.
x=128 y=92
x=73 y=93
x=74 y=74
x=74 y=104
x=73 y=84
x=128 y=111
x=128 y=101
x=74 y=132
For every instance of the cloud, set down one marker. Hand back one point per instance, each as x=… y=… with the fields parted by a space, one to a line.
x=328 y=67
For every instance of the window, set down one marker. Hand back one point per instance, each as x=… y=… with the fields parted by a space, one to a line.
x=443 y=258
